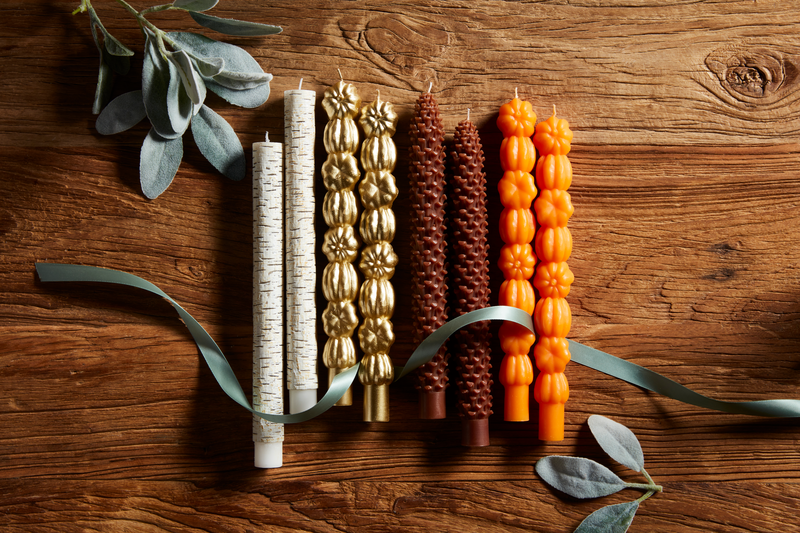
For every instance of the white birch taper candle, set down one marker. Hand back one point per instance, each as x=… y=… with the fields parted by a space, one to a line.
x=268 y=301
x=301 y=274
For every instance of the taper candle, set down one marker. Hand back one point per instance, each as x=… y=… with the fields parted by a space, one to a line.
x=552 y=318
x=268 y=301
x=339 y=208
x=301 y=274
x=378 y=260
x=517 y=191
x=428 y=248
x=469 y=286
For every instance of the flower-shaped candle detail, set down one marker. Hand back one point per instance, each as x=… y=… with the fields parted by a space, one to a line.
x=428 y=248
x=552 y=318
x=339 y=280
x=517 y=229
x=378 y=260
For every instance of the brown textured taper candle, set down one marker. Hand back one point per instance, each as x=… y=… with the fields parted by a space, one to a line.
x=428 y=248
x=469 y=283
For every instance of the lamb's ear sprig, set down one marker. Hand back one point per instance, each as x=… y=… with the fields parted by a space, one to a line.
x=584 y=478
x=178 y=70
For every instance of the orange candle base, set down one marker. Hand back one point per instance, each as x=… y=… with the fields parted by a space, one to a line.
x=551 y=421
x=516 y=404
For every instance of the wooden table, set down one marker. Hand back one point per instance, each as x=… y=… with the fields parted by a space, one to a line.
x=686 y=191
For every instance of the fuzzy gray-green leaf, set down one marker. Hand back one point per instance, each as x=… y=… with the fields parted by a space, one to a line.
x=103 y=88
x=122 y=113
x=218 y=143
x=195 y=5
x=239 y=28
x=237 y=62
x=192 y=82
x=159 y=160
x=109 y=42
x=617 y=441
x=156 y=76
x=610 y=519
x=208 y=66
x=578 y=477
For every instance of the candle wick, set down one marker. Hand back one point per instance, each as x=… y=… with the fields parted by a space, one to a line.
x=430 y=87
x=300 y=87
x=340 y=74
x=266 y=137
x=554 y=109
x=467 y=114
x=378 y=100
x=516 y=94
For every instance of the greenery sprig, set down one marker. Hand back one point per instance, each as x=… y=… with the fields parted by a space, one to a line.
x=584 y=478
x=179 y=68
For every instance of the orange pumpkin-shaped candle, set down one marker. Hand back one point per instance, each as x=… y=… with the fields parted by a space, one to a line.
x=517 y=259
x=553 y=244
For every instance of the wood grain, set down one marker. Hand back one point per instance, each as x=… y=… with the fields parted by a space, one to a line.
x=686 y=195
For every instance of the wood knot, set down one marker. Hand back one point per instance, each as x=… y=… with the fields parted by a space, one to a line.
x=755 y=74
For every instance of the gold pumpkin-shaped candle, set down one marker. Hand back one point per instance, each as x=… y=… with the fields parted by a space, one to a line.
x=339 y=208
x=378 y=191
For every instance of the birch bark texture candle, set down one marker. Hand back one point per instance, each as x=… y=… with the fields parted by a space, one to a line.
x=429 y=308
x=517 y=191
x=340 y=175
x=268 y=301
x=301 y=274
x=552 y=318
x=469 y=286
x=378 y=191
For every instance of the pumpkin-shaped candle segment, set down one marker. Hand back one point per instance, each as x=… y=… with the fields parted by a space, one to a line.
x=552 y=317
x=517 y=259
x=378 y=260
x=339 y=279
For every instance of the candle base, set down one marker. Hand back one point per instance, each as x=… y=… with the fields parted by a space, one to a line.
x=551 y=421
x=268 y=454
x=301 y=400
x=475 y=432
x=432 y=405
x=376 y=403
x=347 y=397
x=516 y=403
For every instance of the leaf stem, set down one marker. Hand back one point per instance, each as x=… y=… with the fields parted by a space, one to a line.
x=83 y=8
x=645 y=486
x=645 y=496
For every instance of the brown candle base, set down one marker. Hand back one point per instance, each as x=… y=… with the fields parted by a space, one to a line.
x=432 y=405
x=376 y=403
x=475 y=432
x=347 y=398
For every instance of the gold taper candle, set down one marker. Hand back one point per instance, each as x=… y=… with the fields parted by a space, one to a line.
x=339 y=279
x=378 y=191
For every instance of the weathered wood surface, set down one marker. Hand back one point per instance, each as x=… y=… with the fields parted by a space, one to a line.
x=686 y=190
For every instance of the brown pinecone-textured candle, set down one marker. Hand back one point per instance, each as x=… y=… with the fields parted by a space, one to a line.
x=428 y=248
x=469 y=283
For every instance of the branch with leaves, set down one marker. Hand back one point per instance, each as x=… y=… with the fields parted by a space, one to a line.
x=179 y=68
x=584 y=478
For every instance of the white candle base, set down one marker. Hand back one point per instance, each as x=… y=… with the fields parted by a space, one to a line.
x=301 y=400
x=269 y=454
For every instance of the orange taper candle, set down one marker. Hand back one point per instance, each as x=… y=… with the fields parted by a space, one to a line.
x=552 y=318
x=517 y=261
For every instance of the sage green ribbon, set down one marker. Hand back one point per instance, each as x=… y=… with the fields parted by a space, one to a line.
x=590 y=357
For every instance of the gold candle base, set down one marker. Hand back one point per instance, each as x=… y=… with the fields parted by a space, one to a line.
x=347 y=398
x=376 y=403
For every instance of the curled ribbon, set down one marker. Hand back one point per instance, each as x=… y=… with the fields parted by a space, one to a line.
x=584 y=355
